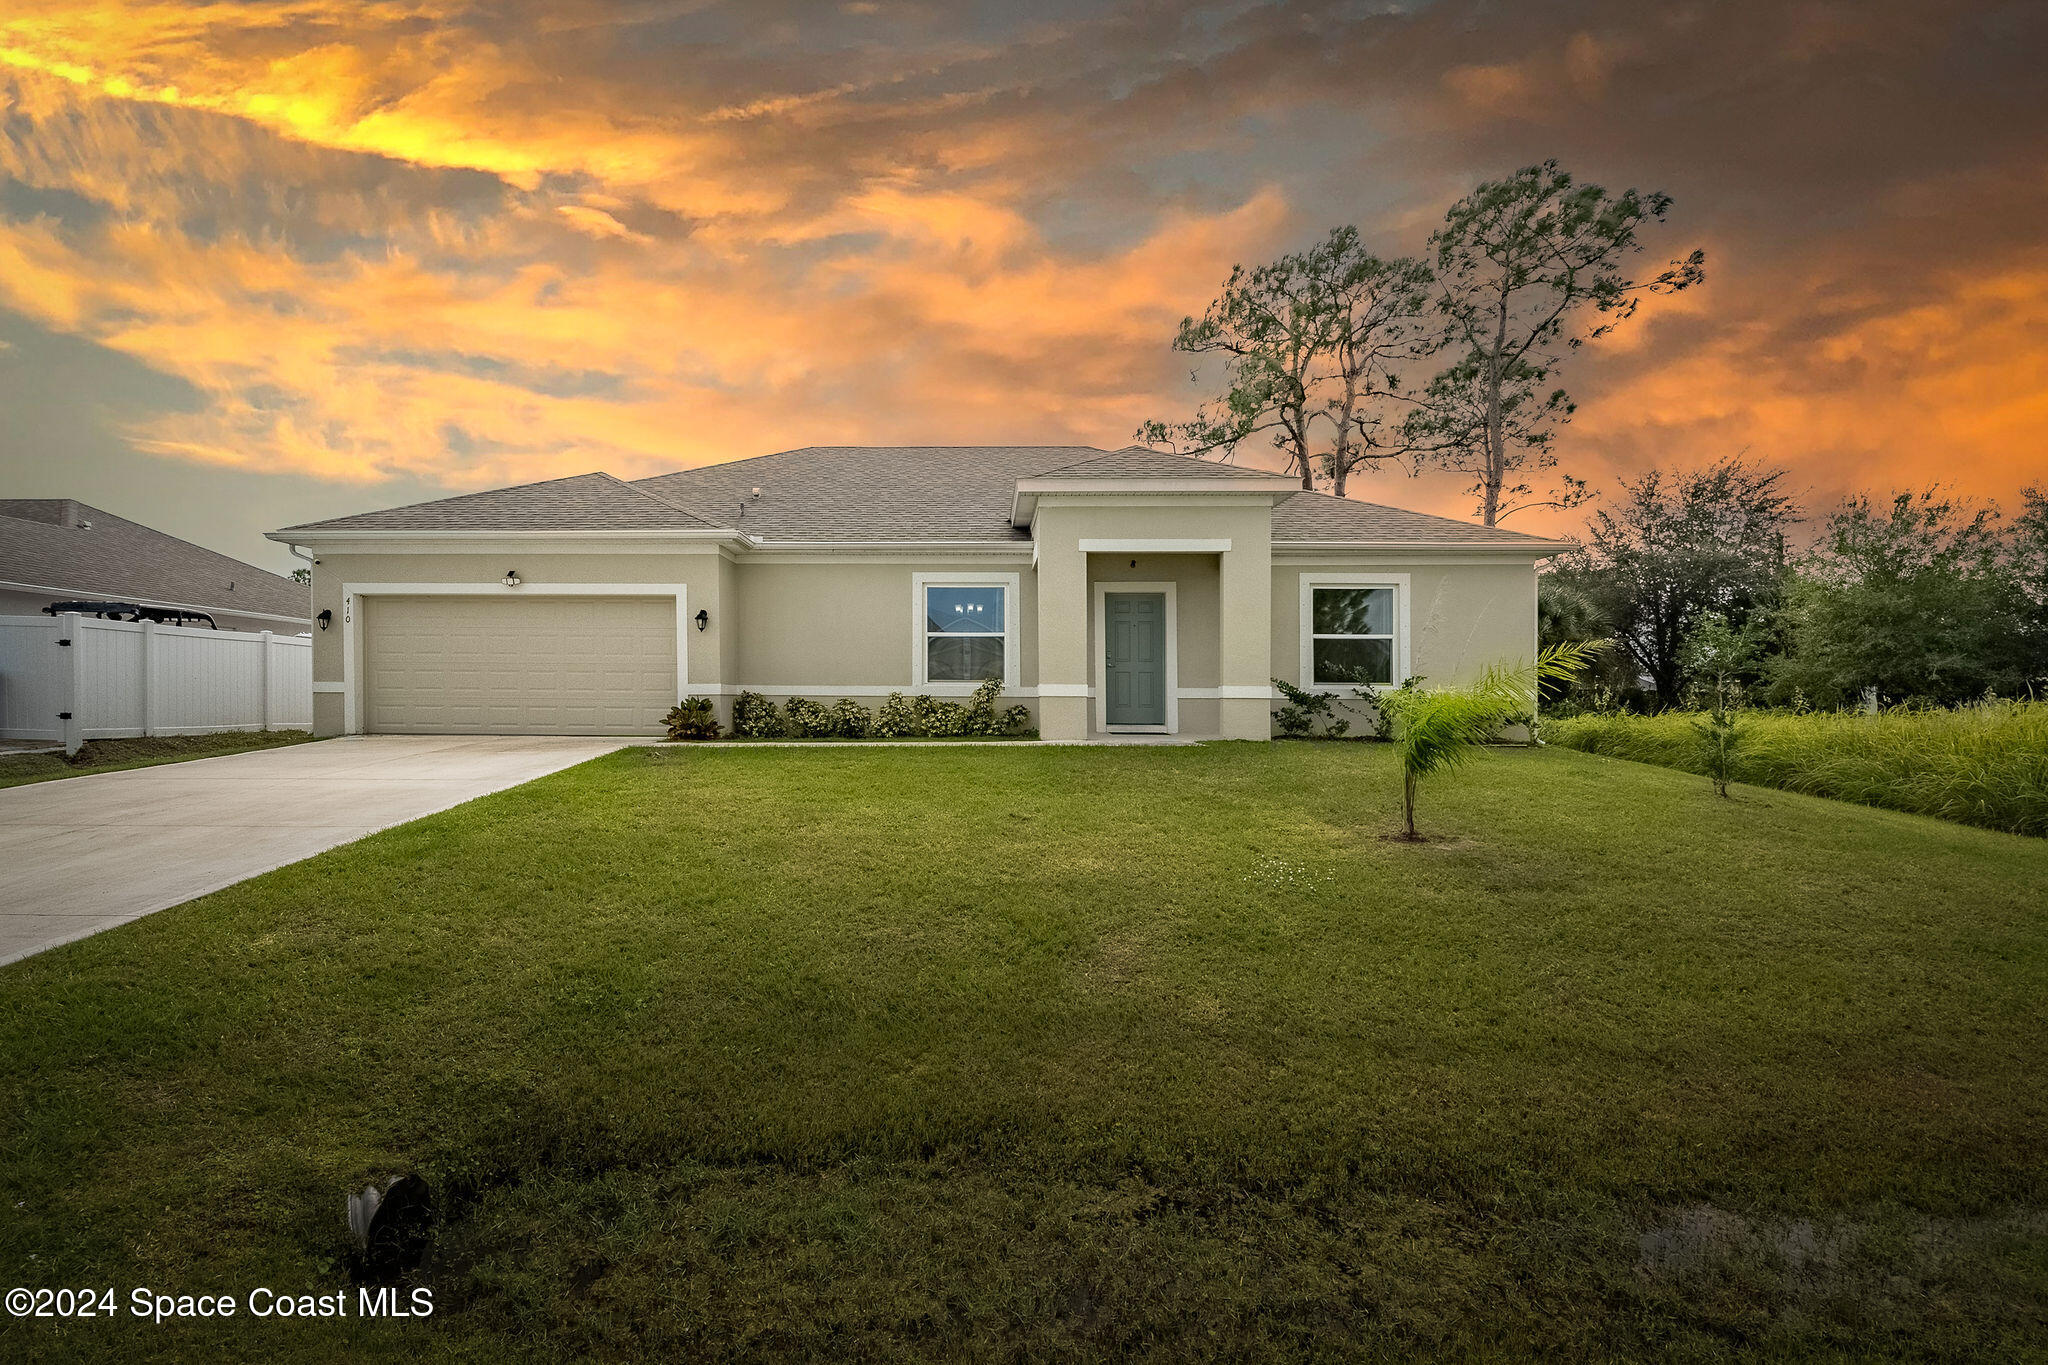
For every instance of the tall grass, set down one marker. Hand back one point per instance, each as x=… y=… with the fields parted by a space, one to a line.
x=1983 y=765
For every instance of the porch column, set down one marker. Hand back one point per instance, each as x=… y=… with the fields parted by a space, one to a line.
x=1062 y=643
x=1245 y=640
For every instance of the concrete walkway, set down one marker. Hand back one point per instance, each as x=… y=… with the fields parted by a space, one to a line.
x=83 y=854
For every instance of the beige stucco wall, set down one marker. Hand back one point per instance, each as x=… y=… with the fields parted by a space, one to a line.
x=1461 y=616
x=852 y=623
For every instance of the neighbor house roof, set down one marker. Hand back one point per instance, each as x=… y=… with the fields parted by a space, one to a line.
x=932 y=494
x=78 y=551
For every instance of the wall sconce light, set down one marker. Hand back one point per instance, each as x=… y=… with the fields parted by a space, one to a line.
x=511 y=578
x=703 y=619
x=326 y=619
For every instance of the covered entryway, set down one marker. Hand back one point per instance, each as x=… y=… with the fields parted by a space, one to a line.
x=518 y=665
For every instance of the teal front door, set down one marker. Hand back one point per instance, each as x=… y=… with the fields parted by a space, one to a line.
x=1134 y=673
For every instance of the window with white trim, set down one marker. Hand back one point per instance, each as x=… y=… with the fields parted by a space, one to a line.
x=1351 y=635
x=966 y=632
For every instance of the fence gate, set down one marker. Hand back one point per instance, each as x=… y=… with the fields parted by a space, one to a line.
x=74 y=678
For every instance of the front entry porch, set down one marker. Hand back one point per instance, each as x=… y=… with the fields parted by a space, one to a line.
x=1170 y=638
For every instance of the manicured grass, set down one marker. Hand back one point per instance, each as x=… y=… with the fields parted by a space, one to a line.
x=1072 y=1054
x=112 y=755
x=1982 y=765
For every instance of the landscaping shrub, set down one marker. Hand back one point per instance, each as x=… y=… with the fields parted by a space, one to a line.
x=1297 y=719
x=807 y=719
x=898 y=718
x=692 y=718
x=755 y=717
x=1984 y=765
x=850 y=719
x=919 y=717
x=984 y=719
x=940 y=719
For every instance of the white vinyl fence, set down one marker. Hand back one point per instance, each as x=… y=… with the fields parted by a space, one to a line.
x=74 y=678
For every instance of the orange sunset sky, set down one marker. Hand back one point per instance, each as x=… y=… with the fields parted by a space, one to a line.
x=267 y=262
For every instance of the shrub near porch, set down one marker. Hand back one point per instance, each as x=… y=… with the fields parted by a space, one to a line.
x=1045 y=1052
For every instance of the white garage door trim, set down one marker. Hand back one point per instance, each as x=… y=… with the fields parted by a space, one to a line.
x=351 y=671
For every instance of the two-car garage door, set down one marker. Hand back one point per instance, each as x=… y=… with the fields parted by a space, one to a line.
x=514 y=665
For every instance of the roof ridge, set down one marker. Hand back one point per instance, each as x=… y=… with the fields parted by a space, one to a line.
x=657 y=499
x=799 y=450
x=1411 y=512
x=1102 y=455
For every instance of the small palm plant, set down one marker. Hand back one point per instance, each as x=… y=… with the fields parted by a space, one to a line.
x=1437 y=728
x=1720 y=735
x=1715 y=652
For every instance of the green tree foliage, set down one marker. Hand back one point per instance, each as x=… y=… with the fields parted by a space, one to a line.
x=1568 y=612
x=2030 y=547
x=1526 y=269
x=1314 y=346
x=1675 y=547
x=1378 y=325
x=1271 y=329
x=1923 y=597
x=1319 y=347
x=1438 y=728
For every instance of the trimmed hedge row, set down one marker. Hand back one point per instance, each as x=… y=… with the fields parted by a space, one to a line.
x=756 y=717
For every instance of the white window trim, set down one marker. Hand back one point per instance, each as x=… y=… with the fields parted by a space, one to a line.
x=1103 y=588
x=1013 y=648
x=1311 y=581
x=352 y=698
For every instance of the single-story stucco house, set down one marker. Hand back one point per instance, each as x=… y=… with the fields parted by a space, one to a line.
x=1126 y=591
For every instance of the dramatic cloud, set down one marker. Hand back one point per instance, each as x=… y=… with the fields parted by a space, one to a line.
x=381 y=244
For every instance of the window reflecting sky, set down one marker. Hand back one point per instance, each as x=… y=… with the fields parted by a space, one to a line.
x=970 y=611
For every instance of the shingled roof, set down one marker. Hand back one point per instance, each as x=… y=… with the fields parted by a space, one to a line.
x=1137 y=462
x=906 y=494
x=1323 y=517
x=581 y=502
x=77 y=550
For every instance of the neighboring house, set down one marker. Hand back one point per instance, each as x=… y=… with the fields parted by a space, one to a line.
x=60 y=549
x=1122 y=591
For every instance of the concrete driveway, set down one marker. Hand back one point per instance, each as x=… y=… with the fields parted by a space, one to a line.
x=83 y=854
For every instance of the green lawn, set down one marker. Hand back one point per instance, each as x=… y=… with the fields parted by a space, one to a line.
x=1071 y=1053
x=112 y=755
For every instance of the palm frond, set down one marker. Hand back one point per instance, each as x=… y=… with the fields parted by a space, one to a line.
x=1438 y=728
